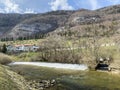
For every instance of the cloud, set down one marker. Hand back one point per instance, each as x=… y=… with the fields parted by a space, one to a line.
x=60 y=5
x=1 y=10
x=114 y=1
x=11 y=7
x=94 y=4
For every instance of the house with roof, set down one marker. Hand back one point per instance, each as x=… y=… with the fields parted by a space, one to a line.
x=34 y=48
x=10 y=48
x=22 y=47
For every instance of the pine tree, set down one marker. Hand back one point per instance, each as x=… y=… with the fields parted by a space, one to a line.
x=4 y=49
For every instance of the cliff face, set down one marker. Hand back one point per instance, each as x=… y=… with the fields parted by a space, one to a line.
x=9 y=21
x=17 y=25
x=39 y=24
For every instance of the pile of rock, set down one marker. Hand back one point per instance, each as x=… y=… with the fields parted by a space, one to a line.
x=40 y=85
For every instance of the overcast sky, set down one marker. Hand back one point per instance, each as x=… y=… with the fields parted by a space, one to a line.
x=40 y=6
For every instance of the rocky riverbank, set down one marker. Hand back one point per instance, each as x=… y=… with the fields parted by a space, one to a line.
x=41 y=85
x=22 y=84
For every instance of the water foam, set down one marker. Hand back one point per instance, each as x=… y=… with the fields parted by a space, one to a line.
x=54 y=65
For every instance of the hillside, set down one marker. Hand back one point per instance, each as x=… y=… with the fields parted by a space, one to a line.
x=22 y=25
x=110 y=9
x=10 y=80
x=8 y=21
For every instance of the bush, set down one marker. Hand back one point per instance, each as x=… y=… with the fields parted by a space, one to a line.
x=4 y=49
x=63 y=56
x=5 y=59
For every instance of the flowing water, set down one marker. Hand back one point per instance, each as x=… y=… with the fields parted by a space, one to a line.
x=70 y=79
x=91 y=81
x=53 y=65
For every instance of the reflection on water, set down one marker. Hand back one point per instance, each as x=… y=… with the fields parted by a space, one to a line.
x=91 y=81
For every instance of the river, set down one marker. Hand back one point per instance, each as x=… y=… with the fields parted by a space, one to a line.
x=74 y=77
x=53 y=65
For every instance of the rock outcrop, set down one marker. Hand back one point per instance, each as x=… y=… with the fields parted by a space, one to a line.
x=17 y=25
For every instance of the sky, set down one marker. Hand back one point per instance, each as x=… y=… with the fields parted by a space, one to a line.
x=41 y=6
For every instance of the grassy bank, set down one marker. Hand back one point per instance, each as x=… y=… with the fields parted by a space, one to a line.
x=25 y=56
x=9 y=80
x=5 y=81
x=17 y=42
x=5 y=59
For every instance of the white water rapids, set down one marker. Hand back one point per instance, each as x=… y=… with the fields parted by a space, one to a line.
x=53 y=65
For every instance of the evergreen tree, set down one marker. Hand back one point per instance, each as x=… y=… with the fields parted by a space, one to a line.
x=4 y=48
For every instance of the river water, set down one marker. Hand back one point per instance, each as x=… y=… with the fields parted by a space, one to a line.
x=53 y=65
x=80 y=79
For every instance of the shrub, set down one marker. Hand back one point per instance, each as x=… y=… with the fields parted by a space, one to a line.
x=5 y=59
x=4 y=49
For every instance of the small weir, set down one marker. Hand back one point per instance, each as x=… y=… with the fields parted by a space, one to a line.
x=53 y=65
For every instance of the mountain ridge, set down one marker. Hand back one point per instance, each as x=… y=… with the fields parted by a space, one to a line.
x=19 y=25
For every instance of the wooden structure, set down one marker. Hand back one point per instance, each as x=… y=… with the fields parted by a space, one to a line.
x=103 y=64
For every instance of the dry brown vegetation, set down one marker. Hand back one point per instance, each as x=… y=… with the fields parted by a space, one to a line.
x=5 y=59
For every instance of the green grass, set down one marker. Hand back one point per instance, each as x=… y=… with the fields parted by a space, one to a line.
x=32 y=41
x=10 y=80
x=5 y=82
x=25 y=56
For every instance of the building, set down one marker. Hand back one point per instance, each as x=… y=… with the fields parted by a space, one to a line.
x=22 y=48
